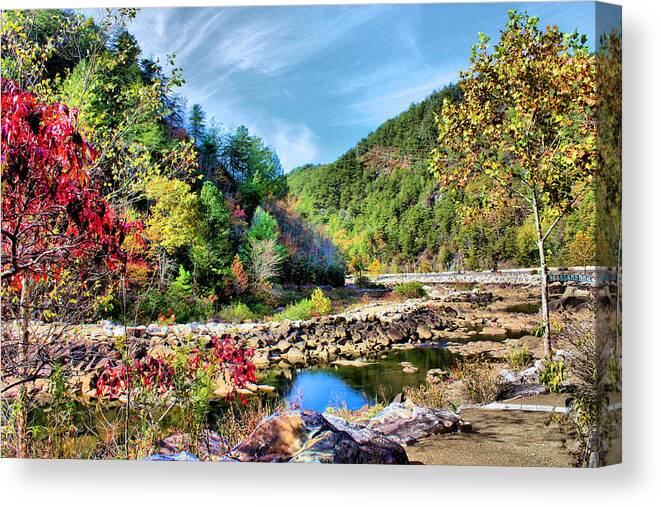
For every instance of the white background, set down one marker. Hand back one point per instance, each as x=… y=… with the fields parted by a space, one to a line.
x=636 y=482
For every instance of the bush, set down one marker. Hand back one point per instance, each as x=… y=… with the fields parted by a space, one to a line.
x=296 y=311
x=321 y=305
x=332 y=275
x=410 y=290
x=431 y=395
x=237 y=313
x=481 y=382
x=552 y=375
x=316 y=305
x=518 y=359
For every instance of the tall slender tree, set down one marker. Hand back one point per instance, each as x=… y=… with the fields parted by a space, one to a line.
x=525 y=126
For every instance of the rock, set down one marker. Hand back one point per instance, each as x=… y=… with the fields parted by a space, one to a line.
x=493 y=331
x=509 y=376
x=294 y=355
x=406 y=423
x=261 y=362
x=410 y=369
x=357 y=363
x=182 y=456
x=265 y=388
x=210 y=446
x=161 y=352
x=435 y=376
x=307 y=436
x=515 y=390
x=282 y=346
x=423 y=332
x=136 y=331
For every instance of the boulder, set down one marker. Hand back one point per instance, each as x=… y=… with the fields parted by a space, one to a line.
x=294 y=355
x=424 y=332
x=282 y=346
x=515 y=390
x=406 y=423
x=210 y=446
x=307 y=436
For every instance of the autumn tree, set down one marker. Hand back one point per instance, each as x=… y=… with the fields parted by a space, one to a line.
x=525 y=124
x=53 y=217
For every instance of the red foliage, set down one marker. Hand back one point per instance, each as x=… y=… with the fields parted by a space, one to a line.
x=240 y=278
x=51 y=211
x=223 y=354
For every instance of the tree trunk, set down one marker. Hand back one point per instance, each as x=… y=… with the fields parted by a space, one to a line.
x=22 y=406
x=543 y=275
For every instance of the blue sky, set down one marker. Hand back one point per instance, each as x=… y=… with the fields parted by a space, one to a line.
x=313 y=80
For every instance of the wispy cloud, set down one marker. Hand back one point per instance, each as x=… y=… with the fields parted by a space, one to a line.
x=311 y=80
x=295 y=144
x=377 y=106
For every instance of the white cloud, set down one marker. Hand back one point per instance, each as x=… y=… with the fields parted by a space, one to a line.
x=295 y=144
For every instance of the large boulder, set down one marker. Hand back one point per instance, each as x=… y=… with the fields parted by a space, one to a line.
x=406 y=423
x=307 y=436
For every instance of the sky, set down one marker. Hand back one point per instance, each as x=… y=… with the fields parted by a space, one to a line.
x=313 y=80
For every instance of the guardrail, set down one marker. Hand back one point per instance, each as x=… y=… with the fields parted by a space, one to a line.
x=582 y=275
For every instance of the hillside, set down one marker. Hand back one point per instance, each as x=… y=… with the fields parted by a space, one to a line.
x=379 y=201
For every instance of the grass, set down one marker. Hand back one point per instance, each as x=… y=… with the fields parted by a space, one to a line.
x=480 y=381
x=430 y=395
x=316 y=305
x=410 y=290
x=518 y=358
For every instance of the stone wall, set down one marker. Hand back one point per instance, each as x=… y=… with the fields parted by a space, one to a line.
x=582 y=275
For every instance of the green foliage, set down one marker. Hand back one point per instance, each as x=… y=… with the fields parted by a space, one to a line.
x=518 y=358
x=296 y=311
x=237 y=313
x=182 y=284
x=174 y=218
x=410 y=290
x=321 y=305
x=552 y=375
x=212 y=254
x=316 y=305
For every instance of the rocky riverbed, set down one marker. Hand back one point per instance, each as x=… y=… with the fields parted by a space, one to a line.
x=465 y=322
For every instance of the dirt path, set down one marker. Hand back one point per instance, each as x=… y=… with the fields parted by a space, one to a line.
x=500 y=438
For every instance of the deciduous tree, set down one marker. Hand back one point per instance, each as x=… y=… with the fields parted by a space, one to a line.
x=526 y=122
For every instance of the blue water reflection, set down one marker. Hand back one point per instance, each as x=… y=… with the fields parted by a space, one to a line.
x=316 y=390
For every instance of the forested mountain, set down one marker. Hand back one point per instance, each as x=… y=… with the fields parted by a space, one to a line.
x=206 y=205
x=383 y=208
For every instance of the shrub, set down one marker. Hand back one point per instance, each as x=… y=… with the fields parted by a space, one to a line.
x=430 y=395
x=410 y=290
x=518 y=359
x=552 y=375
x=296 y=311
x=237 y=313
x=480 y=381
x=321 y=305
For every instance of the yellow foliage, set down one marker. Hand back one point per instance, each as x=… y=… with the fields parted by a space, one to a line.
x=320 y=303
x=582 y=250
x=174 y=219
x=375 y=268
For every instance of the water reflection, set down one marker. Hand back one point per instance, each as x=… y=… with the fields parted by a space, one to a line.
x=335 y=386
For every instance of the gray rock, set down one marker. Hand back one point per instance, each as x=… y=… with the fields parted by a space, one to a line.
x=307 y=436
